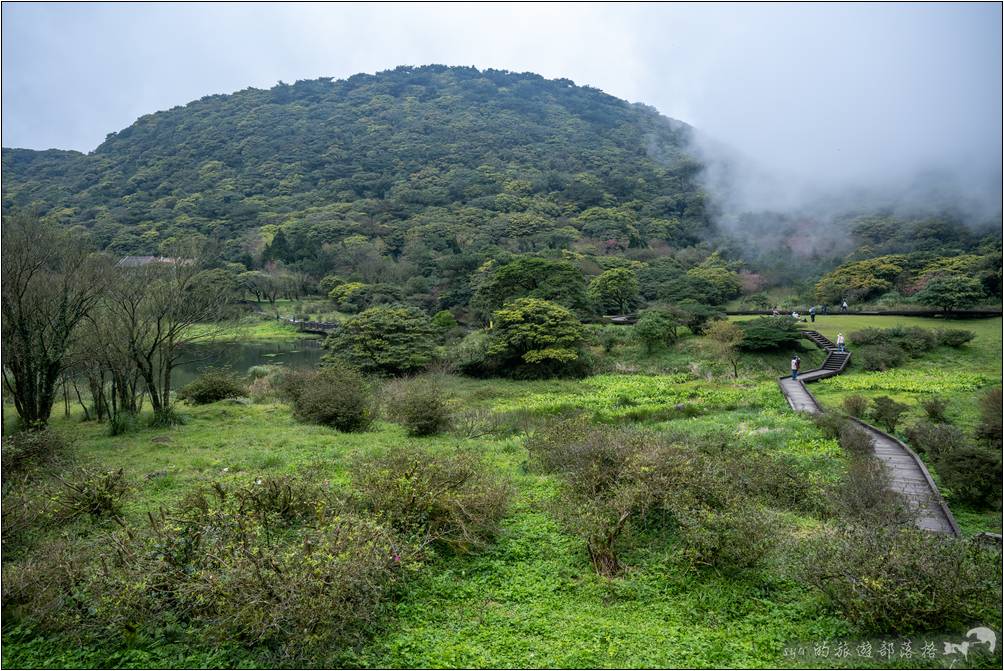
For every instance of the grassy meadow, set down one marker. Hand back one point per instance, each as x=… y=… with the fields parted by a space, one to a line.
x=532 y=599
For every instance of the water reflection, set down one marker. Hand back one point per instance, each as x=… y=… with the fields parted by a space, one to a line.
x=239 y=356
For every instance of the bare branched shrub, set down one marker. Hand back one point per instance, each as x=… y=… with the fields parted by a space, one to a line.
x=616 y=479
x=450 y=500
x=484 y=422
x=93 y=493
x=25 y=450
x=863 y=495
x=854 y=439
x=272 y=565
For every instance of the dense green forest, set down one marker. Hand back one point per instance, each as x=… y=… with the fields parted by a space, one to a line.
x=422 y=184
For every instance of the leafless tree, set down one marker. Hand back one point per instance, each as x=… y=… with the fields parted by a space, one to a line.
x=51 y=282
x=161 y=310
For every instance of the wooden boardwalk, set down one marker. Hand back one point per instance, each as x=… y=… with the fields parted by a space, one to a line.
x=907 y=474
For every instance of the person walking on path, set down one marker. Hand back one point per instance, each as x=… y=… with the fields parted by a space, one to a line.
x=812 y=314
x=796 y=363
x=840 y=342
x=843 y=306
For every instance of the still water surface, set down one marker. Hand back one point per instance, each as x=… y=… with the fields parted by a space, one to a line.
x=239 y=356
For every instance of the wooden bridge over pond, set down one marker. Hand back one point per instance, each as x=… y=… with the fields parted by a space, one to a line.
x=319 y=328
x=907 y=474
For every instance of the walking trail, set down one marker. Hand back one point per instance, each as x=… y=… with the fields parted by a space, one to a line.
x=907 y=474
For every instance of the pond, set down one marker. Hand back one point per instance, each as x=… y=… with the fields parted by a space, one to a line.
x=239 y=356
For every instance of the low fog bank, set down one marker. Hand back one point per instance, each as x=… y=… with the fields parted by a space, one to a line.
x=766 y=206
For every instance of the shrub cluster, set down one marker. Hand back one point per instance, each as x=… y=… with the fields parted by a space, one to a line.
x=970 y=472
x=214 y=384
x=769 y=333
x=881 y=349
x=336 y=396
x=615 y=480
x=900 y=580
x=452 y=501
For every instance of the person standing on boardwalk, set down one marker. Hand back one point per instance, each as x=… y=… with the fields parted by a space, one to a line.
x=812 y=314
x=840 y=342
x=843 y=306
x=796 y=363
x=826 y=308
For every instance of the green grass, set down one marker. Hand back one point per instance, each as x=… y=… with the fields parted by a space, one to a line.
x=250 y=329
x=532 y=599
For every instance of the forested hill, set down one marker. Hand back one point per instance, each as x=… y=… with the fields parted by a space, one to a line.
x=411 y=160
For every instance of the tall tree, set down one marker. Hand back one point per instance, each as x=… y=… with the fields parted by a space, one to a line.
x=51 y=281
x=616 y=288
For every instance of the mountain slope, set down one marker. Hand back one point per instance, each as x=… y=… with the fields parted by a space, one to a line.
x=370 y=154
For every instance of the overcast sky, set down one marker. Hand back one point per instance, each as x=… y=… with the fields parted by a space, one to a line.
x=851 y=92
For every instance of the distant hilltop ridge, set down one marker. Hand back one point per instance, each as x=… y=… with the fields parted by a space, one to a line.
x=377 y=156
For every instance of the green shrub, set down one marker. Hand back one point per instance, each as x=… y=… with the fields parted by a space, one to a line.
x=263 y=370
x=769 y=333
x=214 y=384
x=444 y=320
x=887 y=412
x=954 y=337
x=989 y=430
x=534 y=338
x=856 y=405
x=656 y=328
x=696 y=316
x=419 y=405
x=449 y=500
x=736 y=538
x=972 y=474
x=336 y=396
x=96 y=494
x=936 y=409
x=900 y=580
x=879 y=357
x=935 y=439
